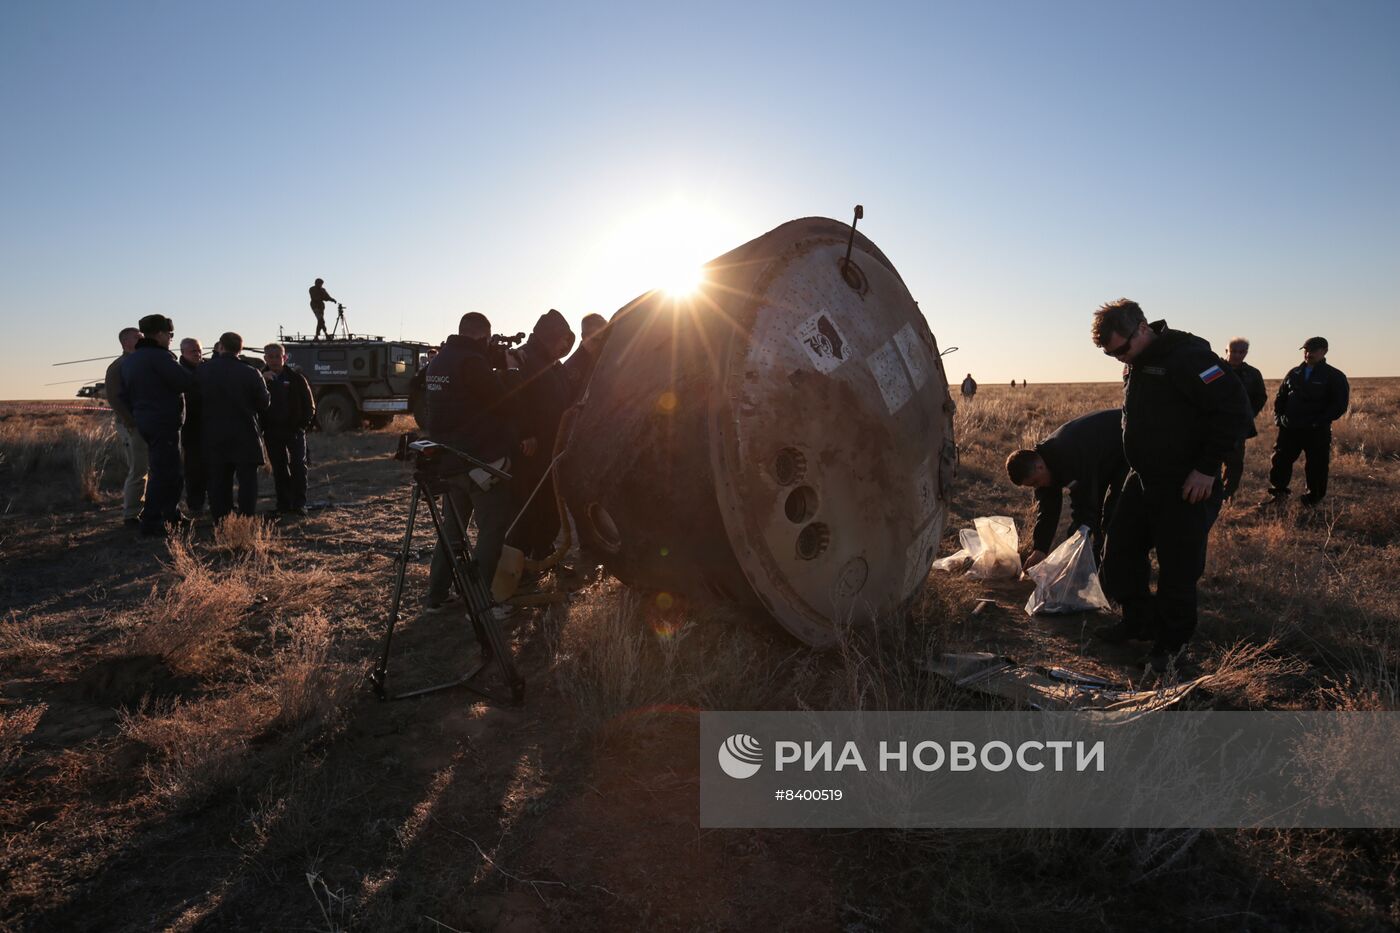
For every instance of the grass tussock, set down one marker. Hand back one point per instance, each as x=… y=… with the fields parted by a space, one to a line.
x=190 y=622
x=15 y=726
x=246 y=536
x=48 y=462
x=22 y=639
x=306 y=685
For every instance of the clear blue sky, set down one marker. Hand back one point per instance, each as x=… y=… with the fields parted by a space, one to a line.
x=1233 y=166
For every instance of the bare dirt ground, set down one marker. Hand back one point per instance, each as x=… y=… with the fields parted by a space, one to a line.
x=187 y=741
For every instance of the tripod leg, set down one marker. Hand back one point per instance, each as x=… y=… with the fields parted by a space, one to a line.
x=380 y=673
x=478 y=600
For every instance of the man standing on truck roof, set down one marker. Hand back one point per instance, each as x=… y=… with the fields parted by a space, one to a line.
x=319 y=298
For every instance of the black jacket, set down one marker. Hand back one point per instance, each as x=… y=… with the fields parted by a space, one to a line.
x=189 y=434
x=579 y=369
x=1313 y=402
x=1183 y=410
x=292 y=406
x=1085 y=455
x=234 y=397
x=469 y=404
x=1253 y=382
x=545 y=394
x=153 y=386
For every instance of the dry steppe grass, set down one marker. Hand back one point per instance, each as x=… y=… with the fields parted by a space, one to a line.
x=185 y=743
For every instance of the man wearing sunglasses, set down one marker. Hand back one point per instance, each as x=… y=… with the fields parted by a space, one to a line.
x=1183 y=413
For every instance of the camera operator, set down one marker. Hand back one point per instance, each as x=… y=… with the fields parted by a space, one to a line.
x=545 y=395
x=469 y=408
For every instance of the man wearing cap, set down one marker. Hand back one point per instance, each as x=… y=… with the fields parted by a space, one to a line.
x=134 y=490
x=1183 y=411
x=234 y=397
x=1310 y=398
x=319 y=297
x=1253 y=382
x=545 y=395
x=153 y=387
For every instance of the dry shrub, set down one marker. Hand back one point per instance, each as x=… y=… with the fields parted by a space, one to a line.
x=618 y=652
x=53 y=460
x=22 y=639
x=306 y=685
x=199 y=748
x=1249 y=673
x=245 y=535
x=189 y=623
x=14 y=727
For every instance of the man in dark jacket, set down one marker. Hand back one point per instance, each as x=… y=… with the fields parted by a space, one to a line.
x=1183 y=412
x=284 y=428
x=579 y=366
x=1253 y=382
x=191 y=444
x=545 y=394
x=470 y=407
x=1312 y=396
x=134 y=489
x=234 y=397
x=153 y=387
x=1085 y=456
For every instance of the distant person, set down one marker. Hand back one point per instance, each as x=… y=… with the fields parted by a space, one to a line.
x=191 y=442
x=969 y=387
x=1312 y=396
x=579 y=366
x=1253 y=382
x=1084 y=456
x=134 y=489
x=153 y=387
x=234 y=398
x=1023 y=383
x=545 y=394
x=290 y=413
x=319 y=299
x=1183 y=412
x=1013 y=383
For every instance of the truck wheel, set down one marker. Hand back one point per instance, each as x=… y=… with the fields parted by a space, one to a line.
x=378 y=421
x=336 y=413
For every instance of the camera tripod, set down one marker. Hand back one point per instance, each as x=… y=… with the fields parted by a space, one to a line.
x=340 y=323
x=428 y=482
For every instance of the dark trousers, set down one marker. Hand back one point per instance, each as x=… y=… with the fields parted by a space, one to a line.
x=164 y=481
x=320 y=321
x=1158 y=519
x=221 y=475
x=286 y=454
x=1234 y=468
x=538 y=525
x=196 y=475
x=494 y=508
x=1313 y=443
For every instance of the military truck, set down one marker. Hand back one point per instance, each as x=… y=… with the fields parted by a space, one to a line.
x=359 y=379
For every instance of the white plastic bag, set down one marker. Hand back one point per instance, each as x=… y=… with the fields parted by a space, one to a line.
x=1067 y=580
x=990 y=548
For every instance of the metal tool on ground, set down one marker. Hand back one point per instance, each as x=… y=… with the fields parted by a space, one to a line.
x=433 y=462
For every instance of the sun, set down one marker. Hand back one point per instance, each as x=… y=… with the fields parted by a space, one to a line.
x=683 y=281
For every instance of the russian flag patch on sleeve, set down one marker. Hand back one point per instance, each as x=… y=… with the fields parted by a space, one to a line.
x=1212 y=374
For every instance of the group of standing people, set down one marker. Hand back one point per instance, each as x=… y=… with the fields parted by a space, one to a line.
x=1152 y=476
x=194 y=426
x=505 y=407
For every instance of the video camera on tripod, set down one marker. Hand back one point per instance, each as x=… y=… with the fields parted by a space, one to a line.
x=432 y=463
x=502 y=344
